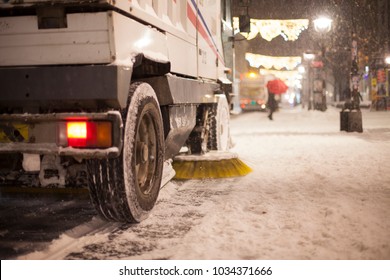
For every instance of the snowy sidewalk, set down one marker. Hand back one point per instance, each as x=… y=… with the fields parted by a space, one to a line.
x=325 y=193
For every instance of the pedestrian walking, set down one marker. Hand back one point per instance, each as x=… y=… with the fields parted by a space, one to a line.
x=272 y=106
x=275 y=86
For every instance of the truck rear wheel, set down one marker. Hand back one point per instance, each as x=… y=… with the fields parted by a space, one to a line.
x=219 y=137
x=126 y=188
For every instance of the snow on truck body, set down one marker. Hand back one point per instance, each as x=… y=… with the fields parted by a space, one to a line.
x=71 y=70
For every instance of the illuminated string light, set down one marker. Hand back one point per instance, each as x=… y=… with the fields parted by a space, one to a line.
x=289 y=29
x=273 y=62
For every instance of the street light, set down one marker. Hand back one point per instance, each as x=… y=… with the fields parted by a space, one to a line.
x=322 y=25
x=387 y=59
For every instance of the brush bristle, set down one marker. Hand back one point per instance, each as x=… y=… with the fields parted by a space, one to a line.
x=209 y=169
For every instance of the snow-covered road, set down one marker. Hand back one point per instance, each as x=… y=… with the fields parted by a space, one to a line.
x=314 y=193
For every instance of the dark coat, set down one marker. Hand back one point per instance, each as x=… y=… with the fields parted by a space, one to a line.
x=272 y=105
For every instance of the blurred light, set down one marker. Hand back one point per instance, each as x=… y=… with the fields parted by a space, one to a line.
x=85 y=134
x=260 y=102
x=290 y=98
x=298 y=83
x=77 y=130
x=301 y=69
x=252 y=75
x=281 y=74
x=289 y=29
x=387 y=60
x=308 y=56
x=322 y=24
x=273 y=62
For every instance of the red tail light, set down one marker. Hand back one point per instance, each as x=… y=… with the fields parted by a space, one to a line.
x=76 y=133
x=86 y=134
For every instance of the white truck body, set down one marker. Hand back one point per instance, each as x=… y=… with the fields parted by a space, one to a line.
x=113 y=89
x=183 y=32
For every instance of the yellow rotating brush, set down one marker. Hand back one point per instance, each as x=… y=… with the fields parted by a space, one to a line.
x=211 y=165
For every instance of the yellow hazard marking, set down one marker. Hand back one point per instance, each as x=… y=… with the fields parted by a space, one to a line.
x=17 y=130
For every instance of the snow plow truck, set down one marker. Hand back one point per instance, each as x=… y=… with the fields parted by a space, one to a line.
x=105 y=93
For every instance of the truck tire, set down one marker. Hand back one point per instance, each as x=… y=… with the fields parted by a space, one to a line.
x=219 y=136
x=126 y=188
